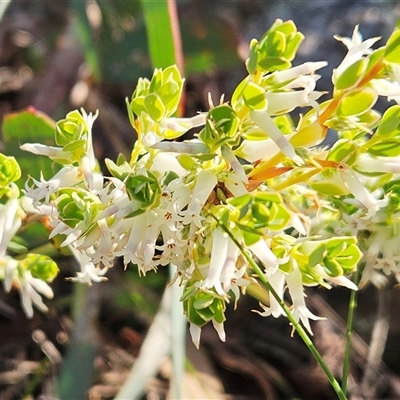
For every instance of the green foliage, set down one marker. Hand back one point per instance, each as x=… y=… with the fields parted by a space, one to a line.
x=276 y=49
x=28 y=126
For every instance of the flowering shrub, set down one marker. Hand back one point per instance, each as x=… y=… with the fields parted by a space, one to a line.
x=255 y=179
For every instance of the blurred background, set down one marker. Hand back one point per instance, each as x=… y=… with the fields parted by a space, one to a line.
x=57 y=56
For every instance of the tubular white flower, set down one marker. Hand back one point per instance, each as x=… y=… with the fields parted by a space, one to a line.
x=165 y=162
x=229 y=156
x=283 y=102
x=66 y=177
x=186 y=147
x=356 y=50
x=277 y=281
x=88 y=271
x=253 y=150
x=219 y=254
x=205 y=183
x=386 y=88
x=234 y=184
x=366 y=163
x=265 y=123
x=182 y=125
x=307 y=68
x=361 y=194
x=296 y=290
x=10 y=222
x=220 y=330
x=266 y=256
x=55 y=153
x=229 y=271
x=29 y=288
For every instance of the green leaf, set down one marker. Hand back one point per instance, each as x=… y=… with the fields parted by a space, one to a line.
x=237 y=96
x=276 y=44
x=254 y=97
x=332 y=267
x=9 y=171
x=29 y=126
x=392 y=52
x=352 y=75
x=344 y=151
x=293 y=45
x=287 y=27
x=386 y=148
x=274 y=63
x=251 y=62
x=284 y=123
x=203 y=300
x=279 y=217
x=389 y=125
x=250 y=238
x=154 y=106
x=329 y=187
x=268 y=197
x=357 y=102
x=317 y=255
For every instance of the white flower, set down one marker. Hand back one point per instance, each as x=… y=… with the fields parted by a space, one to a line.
x=283 y=102
x=195 y=333
x=230 y=157
x=182 y=125
x=30 y=288
x=266 y=124
x=299 y=309
x=266 y=256
x=253 y=150
x=219 y=255
x=277 y=281
x=205 y=183
x=361 y=194
x=10 y=222
x=66 y=177
x=88 y=271
x=367 y=163
x=356 y=50
x=384 y=87
x=233 y=183
x=54 y=153
x=290 y=74
x=165 y=162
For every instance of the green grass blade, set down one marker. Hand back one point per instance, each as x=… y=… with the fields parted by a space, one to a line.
x=162 y=33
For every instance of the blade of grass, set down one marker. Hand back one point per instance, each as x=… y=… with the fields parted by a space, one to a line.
x=163 y=35
x=156 y=346
x=3 y=7
x=84 y=33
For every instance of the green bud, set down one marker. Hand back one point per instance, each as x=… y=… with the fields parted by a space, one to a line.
x=40 y=266
x=75 y=205
x=202 y=306
x=70 y=129
x=9 y=170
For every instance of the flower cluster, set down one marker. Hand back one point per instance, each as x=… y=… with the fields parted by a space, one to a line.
x=251 y=180
x=29 y=272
